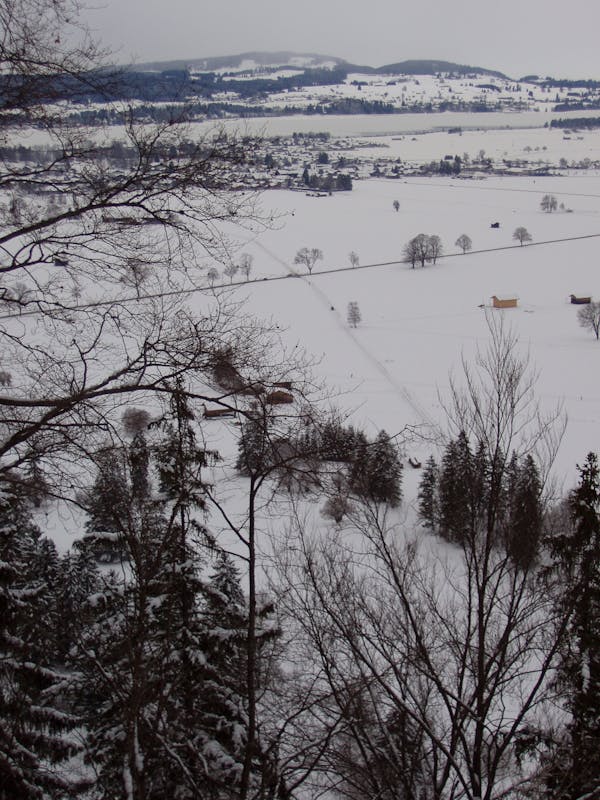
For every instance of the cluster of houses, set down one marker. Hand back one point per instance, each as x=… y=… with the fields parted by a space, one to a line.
x=331 y=164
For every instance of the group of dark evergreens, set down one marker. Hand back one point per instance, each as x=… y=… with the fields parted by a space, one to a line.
x=135 y=641
x=371 y=471
x=137 y=667
x=467 y=492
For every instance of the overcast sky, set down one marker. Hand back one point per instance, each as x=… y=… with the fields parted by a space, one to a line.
x=517 y=37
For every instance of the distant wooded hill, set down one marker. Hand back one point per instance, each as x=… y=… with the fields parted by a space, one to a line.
x=230 y=85
x=248 y=75
x=285 y=58
x=261 y=59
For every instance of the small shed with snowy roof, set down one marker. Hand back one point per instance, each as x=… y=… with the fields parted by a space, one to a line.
x=504 y=301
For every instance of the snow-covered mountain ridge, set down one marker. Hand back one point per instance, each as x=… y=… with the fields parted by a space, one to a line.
x=292 y=83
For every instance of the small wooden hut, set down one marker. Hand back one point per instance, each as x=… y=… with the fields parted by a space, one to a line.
x=504 y=301
x=279 y=397
x=218 y=413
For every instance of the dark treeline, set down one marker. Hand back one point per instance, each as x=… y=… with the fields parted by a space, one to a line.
x=569 y=84
x=221 y=109
x=576 y=122
x=577 y=105
x=116 y=153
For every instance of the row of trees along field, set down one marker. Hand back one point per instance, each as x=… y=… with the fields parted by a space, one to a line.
x=426 y=249
x=155 y=659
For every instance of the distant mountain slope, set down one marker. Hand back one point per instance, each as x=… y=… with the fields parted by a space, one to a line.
x=430 y=67
x=261 y=59
x=284 y=83
x=309 y=60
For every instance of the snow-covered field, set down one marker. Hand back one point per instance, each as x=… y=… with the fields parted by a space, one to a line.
x=536 y=146
x=390 y=124
x=406 y=90
x=418 y=324
x=402 y=91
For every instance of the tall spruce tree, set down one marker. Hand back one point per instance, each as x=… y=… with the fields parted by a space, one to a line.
x=188 y=755
x=575 y=766
x=481 y=486
x=148 y=669
x=118 y=659
x=524 y=518
x=338 y=442
x=35 y=739
x=455 y=490
x=428 y=494
x=376 y=472
x=465 y=504
x=255 y=448
x=223 y=703
x=106 y=503
x=385 y=470
x=78 y=580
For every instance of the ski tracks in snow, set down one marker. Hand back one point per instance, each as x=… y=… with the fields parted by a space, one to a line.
x=401 y=391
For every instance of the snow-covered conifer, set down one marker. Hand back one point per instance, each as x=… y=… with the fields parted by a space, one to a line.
x=376 y=472
x=255 y=451
x=575 y=763
x=524 y=523
x=35 y=739
x=145 y=657
x=223 y=705
x=428 y=489
x=455 y=490
x=353 y=315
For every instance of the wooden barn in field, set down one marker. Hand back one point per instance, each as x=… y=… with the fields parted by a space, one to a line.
x=580 y=300
x=504 y=301
x=279 y=397
x=218 y=413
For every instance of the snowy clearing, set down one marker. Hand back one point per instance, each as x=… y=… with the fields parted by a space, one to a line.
x=417 y=324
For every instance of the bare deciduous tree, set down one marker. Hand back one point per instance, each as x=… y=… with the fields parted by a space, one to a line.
x=417 y=250
x=435 y=247
x=272 y=456
x=81 y=217
x=135 y=420
x=588 y=317
x=425 y=670
x=464 y=242
x=495 y=401
x=423 y=248
x=231 y=270
x=136 y=275
x=308 y=257
x=246 y=262
x=521 y=235
x=212 y=275
x=549 y=203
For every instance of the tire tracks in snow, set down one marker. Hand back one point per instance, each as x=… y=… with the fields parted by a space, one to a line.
x=402 y=392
